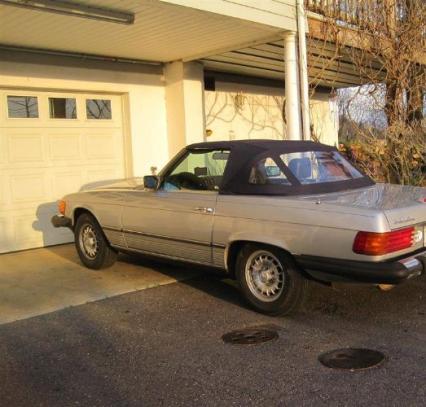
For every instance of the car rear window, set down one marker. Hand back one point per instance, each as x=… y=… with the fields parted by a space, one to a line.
x=313 y=167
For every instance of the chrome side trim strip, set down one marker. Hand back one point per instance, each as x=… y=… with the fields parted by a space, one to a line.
x=182 y=259
x=173 y=239
x=111 y=228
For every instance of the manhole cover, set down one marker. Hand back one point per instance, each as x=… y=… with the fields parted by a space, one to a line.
x=352 y=359
x=250 y=336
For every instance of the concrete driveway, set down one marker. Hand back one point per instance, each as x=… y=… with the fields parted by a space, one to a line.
x=40 y=281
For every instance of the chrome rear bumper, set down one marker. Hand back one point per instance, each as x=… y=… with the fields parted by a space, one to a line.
x=415 y=265
x=393 y=271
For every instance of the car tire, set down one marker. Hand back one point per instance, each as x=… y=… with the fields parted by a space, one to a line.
x=92 y=246
x=270 y=280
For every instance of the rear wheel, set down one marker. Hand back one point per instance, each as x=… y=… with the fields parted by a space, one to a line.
x=269 y=279
x=91 y=244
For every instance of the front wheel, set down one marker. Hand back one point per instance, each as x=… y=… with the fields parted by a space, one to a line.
x=91 y=244
x=269 y=279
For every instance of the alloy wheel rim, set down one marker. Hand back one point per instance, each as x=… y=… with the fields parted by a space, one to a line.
x=89 y=241
x=265 y=276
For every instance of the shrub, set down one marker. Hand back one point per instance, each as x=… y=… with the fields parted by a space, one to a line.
x=398 y=155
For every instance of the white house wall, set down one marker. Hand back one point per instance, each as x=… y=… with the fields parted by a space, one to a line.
x=184 y=103
x=237 y=111
x=325 y=118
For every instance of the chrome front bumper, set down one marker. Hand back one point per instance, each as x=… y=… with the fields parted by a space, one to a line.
x=59 y=221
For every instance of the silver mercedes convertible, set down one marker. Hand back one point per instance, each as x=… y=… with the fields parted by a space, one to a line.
x=271 y=214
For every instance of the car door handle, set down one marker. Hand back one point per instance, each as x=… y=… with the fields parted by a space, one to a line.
x=204 y=210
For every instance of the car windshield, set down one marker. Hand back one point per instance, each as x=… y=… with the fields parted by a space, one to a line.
x=198 y=170
x=314 y=167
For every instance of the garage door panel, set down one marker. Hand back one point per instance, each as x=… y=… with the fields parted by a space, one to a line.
x=57 y=236
x=65 y=146
x=103 y=174
x=3 y=190
x=43 y=159
x=28 y=187
x=30 y=229
x=3 y=149
x=105 y=145
x=7 y=234
x=25 y=147
x=26 y=234
x=67 y=182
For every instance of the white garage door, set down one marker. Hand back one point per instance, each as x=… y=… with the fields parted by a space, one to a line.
x=52 y=144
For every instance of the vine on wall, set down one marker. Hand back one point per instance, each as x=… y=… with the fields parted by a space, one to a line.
x=259 y=115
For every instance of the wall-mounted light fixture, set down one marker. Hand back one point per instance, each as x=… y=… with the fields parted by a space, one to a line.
x=74 y=9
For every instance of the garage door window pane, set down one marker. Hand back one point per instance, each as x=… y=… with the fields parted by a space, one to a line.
x=98 y=109
x=62 y=108
x=22 y=107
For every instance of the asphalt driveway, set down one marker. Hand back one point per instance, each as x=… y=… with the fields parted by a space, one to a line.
x=162 y=346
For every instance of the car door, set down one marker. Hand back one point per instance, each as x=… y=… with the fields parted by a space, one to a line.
x=176 y=220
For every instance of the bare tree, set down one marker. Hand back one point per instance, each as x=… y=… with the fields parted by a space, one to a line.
x=385 y=41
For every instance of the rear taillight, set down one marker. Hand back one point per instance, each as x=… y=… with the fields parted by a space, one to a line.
x=376 y=244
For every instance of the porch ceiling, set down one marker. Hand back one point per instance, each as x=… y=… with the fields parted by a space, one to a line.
x=326 y=67
x=161 y=32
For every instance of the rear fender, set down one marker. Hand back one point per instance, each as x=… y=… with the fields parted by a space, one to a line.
x=253 y=238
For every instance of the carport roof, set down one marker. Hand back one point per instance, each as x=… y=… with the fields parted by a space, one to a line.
x=162 y=32
x=165 y=31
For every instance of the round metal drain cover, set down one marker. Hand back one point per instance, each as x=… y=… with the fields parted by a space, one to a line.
x=352 y=359
x=250 y=336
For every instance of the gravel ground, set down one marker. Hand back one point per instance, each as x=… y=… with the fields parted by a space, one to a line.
x=163 y=347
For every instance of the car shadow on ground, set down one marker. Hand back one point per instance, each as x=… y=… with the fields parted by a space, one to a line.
x=360 y=302
x=357 y=302
x=213 y=281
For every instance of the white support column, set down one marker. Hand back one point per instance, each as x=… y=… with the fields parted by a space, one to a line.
x=184 y=104
x=292 y=95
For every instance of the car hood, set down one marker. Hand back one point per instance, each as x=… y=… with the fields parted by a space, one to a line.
x=125 y=183
x=402 y=204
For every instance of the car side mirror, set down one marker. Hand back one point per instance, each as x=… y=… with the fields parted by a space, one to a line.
x=151 y=182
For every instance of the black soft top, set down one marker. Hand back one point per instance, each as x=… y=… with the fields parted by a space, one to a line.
x=245 y=153
x=285 y=146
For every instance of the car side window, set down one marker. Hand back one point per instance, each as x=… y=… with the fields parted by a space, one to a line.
x=198 y=170
x=267 y=172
